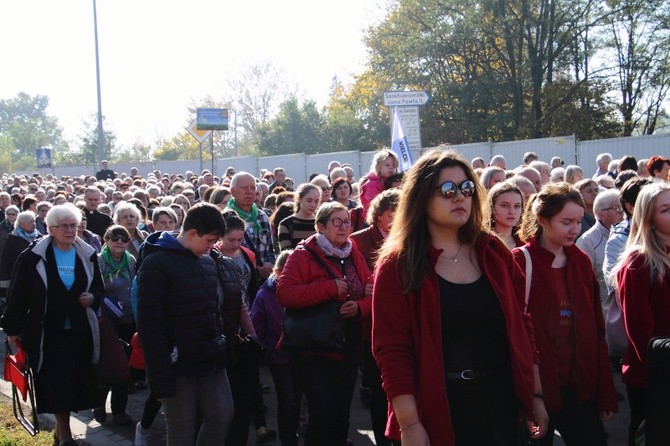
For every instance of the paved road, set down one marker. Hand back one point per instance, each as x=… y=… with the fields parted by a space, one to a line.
x=360 y=431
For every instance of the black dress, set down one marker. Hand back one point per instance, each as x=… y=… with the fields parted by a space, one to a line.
x=65 y=383
x=484 y=410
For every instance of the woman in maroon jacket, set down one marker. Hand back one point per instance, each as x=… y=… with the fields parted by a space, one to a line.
x=328 y=379
x=564 y=303
x=455 y=349
x=643 y=279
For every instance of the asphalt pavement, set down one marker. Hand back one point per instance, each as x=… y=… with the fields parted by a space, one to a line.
x=109 y=434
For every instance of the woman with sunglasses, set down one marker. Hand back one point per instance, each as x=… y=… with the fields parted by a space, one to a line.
x=118 y=270
x=455 y=349
x=328 y=379
x=56 y=288
x=564 y=303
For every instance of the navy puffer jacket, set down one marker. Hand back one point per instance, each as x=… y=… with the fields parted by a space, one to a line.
x=177 y=307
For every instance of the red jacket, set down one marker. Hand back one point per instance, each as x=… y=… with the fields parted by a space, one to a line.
x=593 y=375
x=646 y=314
x=304 y=282
x=407 y=337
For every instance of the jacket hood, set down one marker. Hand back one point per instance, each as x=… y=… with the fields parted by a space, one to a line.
x=162 y=240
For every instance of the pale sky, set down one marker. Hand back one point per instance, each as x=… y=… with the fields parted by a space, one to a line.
x=156 y=57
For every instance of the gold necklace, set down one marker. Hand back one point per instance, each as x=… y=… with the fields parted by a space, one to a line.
x=455 y=258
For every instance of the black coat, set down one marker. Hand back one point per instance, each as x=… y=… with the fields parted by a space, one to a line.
x=27 y=304
x=177 y=306
x=13 y=246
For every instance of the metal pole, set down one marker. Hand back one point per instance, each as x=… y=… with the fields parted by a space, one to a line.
x=211 y=146
x=200 y=158
x=235 y=133
x=101 y=133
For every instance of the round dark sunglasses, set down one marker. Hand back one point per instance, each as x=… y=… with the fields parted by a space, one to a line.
x=116 y=238
x=448 y=188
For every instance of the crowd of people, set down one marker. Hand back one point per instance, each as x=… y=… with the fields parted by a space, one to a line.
x=473 y=298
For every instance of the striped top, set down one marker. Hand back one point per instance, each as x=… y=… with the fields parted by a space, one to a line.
x=292 y=230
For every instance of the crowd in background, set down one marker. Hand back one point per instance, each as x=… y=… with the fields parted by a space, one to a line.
x=440 y=232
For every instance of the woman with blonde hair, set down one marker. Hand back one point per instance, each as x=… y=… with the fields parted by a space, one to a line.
x=455 y=349
x=643 y=280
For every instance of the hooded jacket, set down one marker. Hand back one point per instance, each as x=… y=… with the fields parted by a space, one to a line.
x=177 y=307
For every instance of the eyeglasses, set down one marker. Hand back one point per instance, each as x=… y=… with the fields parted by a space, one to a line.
x=448 y=188
x=616 y=208
x=337 y=222
x=71 y=226
x=117 y=238
x=326 y=189
x=11 y=214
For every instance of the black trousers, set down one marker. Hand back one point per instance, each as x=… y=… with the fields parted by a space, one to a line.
x=637 y=399
x=378 y=402
x=578 y=423
x=328 y=386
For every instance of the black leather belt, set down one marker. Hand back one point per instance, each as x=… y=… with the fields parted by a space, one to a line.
x=469 y=374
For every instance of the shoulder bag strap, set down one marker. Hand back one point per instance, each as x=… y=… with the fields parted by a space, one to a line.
x=321 y=262
x=529 y=272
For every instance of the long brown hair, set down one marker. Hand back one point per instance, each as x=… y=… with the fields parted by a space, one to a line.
x=409 y=238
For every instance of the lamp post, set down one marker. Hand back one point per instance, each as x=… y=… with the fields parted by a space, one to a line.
x=101 y=133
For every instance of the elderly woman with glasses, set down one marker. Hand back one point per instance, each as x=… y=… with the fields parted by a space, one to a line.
x=128 y=215
x=328 y=266
x=56 y=284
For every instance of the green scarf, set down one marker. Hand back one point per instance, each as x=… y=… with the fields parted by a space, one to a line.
x=115 y=270
x=250 y=217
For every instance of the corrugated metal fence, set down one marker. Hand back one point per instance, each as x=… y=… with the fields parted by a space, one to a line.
x=299 y=166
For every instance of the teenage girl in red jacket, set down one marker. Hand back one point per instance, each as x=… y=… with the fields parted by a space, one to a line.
x=569 y=329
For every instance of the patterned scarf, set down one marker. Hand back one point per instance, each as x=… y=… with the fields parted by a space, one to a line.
x=331 y=250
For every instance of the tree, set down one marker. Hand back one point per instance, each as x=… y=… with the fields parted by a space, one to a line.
x=295 y=129
x=139 y=151
x=179 y=147
x=87 y=152
x=640 y=43
x=26 y=126
x=256 y=95
x=486 y=63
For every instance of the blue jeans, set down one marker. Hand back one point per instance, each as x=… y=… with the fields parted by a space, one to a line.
x=208 y=396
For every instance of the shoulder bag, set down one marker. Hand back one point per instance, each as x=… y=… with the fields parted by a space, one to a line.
x=319 y=328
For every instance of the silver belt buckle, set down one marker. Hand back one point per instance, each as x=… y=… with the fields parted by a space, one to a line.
x=468 y=374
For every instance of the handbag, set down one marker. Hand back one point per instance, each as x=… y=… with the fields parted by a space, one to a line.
x=318 y=328
x=19 y=374
x=112 y=368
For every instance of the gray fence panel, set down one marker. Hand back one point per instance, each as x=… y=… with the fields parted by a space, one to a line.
x=239 y=163
x=294 y=164
x=545 y=148
x=299 y=166
x=639 y=146
x=319 y=163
